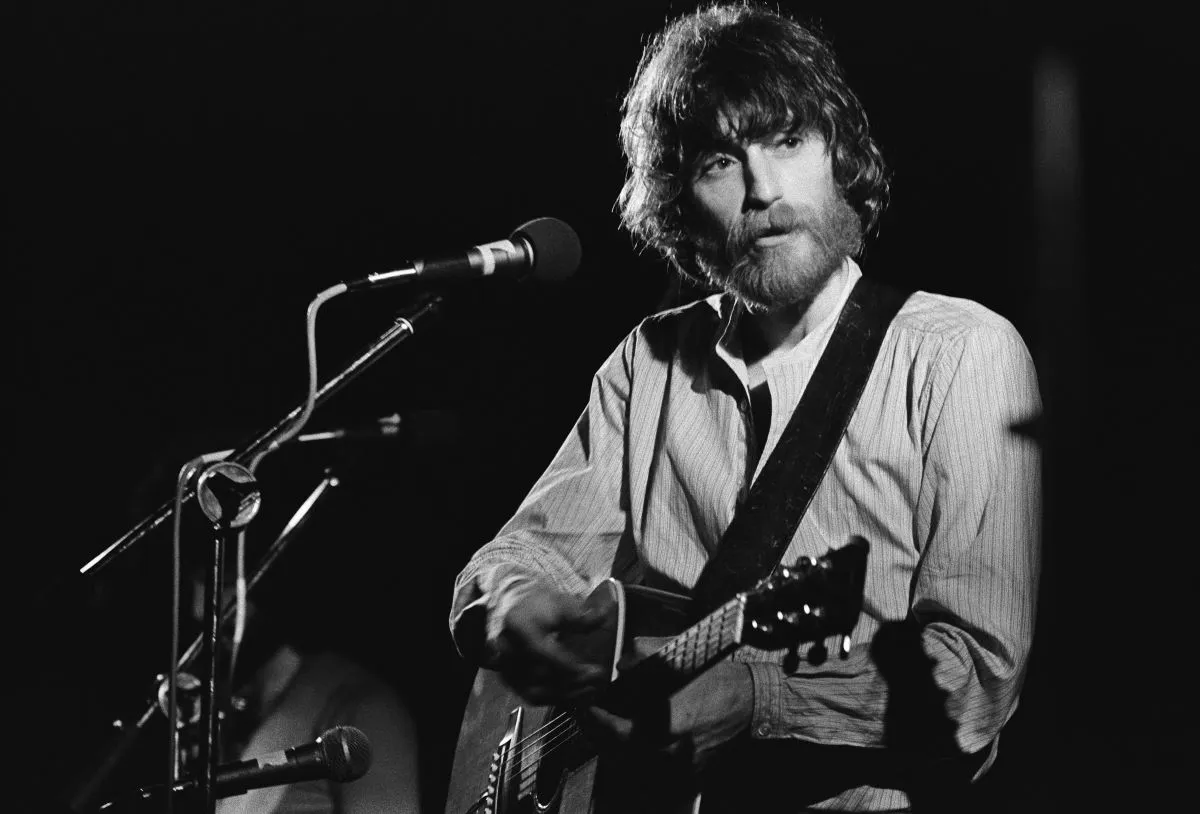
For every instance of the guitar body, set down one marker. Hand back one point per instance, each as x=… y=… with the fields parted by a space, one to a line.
x=491 y=711
x=516 y=758
x=504 y=736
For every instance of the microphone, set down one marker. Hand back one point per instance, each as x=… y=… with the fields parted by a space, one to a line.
x=341 y=754
x=545 y=247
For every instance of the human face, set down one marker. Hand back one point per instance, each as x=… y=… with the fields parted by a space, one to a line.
x=773 y=226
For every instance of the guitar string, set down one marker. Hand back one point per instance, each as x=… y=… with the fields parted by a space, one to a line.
x=564 y=728
x=532 y=763
x=555 y=730
x=560 y=729
x=544 y=731
x=722 y=626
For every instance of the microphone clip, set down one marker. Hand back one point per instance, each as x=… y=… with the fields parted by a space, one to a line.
x=228 y=494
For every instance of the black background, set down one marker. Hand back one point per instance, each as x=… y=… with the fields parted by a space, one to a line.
x=184 y=178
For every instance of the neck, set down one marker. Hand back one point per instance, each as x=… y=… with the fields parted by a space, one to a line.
x=780 y=329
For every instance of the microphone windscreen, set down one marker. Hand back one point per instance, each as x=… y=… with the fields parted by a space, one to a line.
x=347 y=753
x=556 y=249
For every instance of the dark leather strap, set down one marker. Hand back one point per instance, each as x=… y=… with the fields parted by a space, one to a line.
x=764 y=524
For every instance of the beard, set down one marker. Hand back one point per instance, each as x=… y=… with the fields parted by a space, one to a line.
x=767 y=278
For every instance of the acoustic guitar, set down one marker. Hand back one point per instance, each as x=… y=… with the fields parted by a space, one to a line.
x=516 y=758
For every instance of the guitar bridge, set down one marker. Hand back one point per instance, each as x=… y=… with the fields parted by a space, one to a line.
x=502 y=791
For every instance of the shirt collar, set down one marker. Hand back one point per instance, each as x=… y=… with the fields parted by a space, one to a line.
x=729 y=311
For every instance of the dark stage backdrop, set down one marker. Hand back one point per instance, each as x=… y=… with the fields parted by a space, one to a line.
x=185 y=177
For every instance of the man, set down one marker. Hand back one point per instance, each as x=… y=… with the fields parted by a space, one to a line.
x=751 y=167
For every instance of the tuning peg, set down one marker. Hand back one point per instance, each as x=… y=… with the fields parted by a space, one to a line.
x=844 y=644
x=765 y=628
x=817 y=653
x=790 y=618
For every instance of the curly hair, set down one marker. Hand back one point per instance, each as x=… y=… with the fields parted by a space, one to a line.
x=753 y=66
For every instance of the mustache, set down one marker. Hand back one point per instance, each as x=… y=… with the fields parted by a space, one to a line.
x=778 y=219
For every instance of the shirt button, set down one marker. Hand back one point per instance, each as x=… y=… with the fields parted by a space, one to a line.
x=763 y=730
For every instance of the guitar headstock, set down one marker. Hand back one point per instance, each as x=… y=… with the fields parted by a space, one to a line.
x=809 y=600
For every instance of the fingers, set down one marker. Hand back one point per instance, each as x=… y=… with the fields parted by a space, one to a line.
x=546 y=612
x=604 y=728
x=543 y=672
x=582 y=619
x=531 y=655
x=689 y=726
x=608 y=730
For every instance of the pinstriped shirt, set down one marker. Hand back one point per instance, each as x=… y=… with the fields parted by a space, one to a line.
x=931 y=471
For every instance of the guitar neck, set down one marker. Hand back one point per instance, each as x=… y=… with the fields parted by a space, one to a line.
x=692 y=651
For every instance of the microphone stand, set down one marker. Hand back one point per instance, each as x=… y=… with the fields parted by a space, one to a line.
x=84 y=796
x=207 y=757
x=426 y=305
x=229 y=497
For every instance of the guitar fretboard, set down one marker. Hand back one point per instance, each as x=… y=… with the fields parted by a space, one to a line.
x=699 y=646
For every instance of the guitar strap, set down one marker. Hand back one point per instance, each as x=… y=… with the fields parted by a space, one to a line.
x=765 y=523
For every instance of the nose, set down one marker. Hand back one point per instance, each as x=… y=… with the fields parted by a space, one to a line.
x=761 y=178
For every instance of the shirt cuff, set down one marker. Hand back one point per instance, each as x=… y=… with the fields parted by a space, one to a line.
x=767 y=680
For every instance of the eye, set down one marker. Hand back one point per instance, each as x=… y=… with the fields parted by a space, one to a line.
x=714 y=165
x=789 y=141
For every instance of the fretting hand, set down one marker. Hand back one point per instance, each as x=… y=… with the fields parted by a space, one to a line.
x=685 y=728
